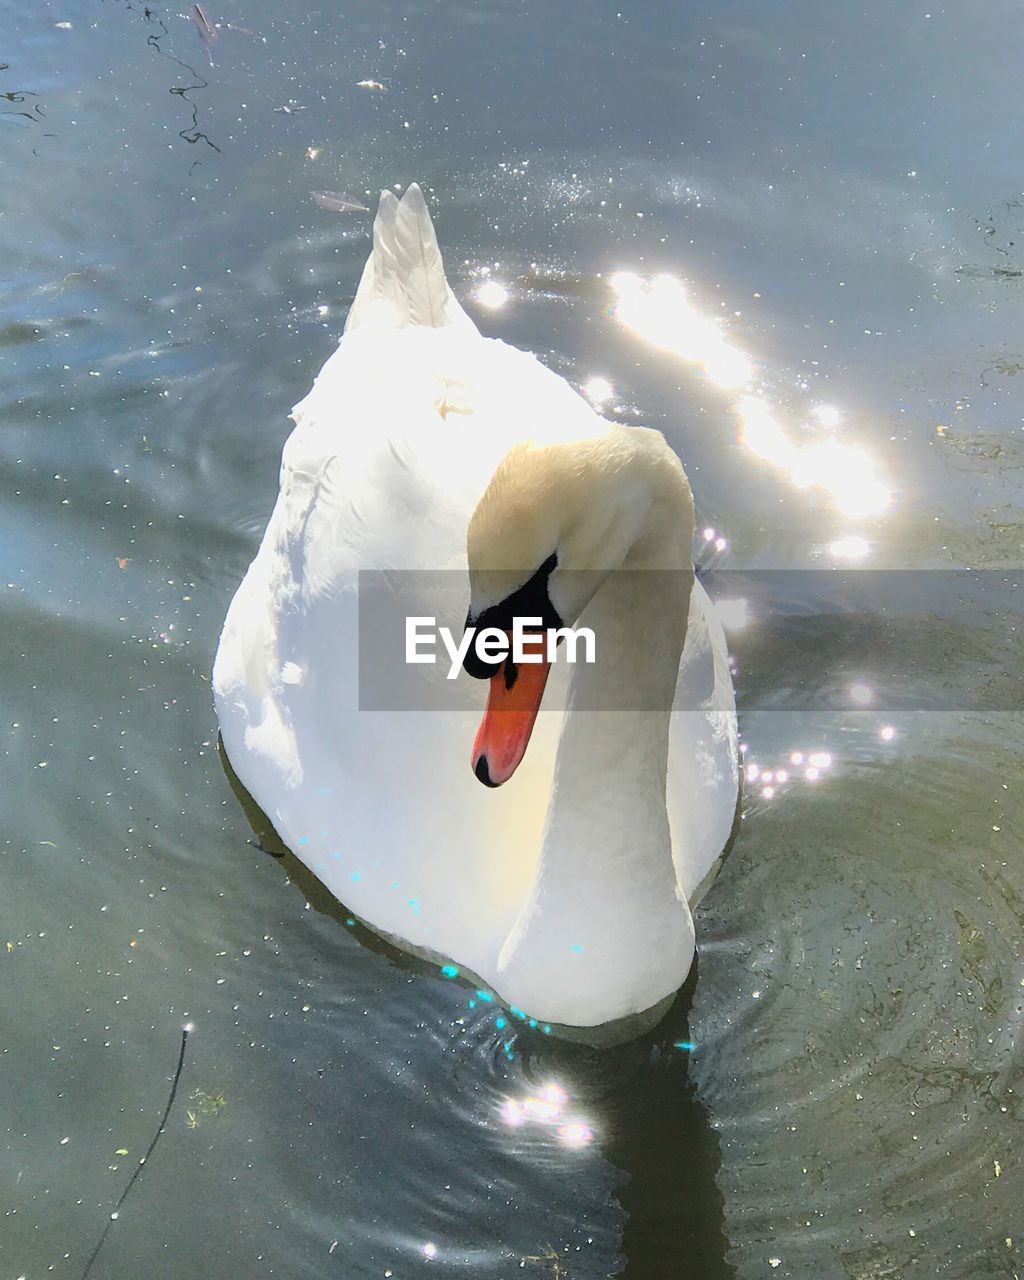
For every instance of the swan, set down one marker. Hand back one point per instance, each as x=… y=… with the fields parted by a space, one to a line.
x=462 y=469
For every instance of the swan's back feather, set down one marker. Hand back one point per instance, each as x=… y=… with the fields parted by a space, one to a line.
x=403 y=282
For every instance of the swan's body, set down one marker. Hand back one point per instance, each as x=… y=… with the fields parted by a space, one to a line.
x=562 y=890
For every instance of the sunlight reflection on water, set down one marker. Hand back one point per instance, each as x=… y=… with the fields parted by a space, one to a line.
x=660 y=311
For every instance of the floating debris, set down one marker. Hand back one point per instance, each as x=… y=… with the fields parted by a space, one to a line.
x=549 y=1256
x=374 y=86
x=984 y=451
x=207 y=1104
x=338 y=202
x=990 y=273
x=290 y=108
x=207 y=30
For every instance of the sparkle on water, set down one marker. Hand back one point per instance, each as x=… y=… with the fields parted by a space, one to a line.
x=852 y=547
x=598 y=390
x=734 y=615
x=660 y=311
x=575 y=1134
x=828 y=415
x=492 y=295
x=773 y=780
x=843 y=471
x=547 y=1107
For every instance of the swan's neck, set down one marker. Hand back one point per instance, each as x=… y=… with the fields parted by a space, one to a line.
x=607 y=821
x=617 y=719
x=605 y=912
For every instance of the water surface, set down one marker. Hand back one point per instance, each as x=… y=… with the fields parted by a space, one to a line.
x=839 y=185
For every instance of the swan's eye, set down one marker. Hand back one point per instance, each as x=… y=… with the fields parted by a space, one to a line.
x=531 y=600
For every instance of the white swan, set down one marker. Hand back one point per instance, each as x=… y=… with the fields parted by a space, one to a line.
x=424 y=446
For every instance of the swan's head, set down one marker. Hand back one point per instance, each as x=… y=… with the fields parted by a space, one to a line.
x=554 y=521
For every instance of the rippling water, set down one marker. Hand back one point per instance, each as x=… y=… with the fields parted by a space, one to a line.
x=839 y=1092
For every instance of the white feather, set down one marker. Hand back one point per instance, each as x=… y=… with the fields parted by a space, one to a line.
x=403 y=282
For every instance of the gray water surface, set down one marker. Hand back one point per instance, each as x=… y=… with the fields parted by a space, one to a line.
x=841 y=186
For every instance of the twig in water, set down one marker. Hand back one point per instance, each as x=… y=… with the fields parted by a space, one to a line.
x=149 y=1151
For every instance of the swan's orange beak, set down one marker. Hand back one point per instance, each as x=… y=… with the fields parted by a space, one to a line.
x=513 y=701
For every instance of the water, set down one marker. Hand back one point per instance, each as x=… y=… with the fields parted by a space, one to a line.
x=838 y=183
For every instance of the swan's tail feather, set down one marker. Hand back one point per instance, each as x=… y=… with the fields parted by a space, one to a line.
x=403 y=282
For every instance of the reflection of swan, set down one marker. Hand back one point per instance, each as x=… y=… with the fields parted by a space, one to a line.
x=650 y=1122
x=425 y=446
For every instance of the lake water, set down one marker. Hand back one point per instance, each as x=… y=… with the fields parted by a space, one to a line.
x=840 y=185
